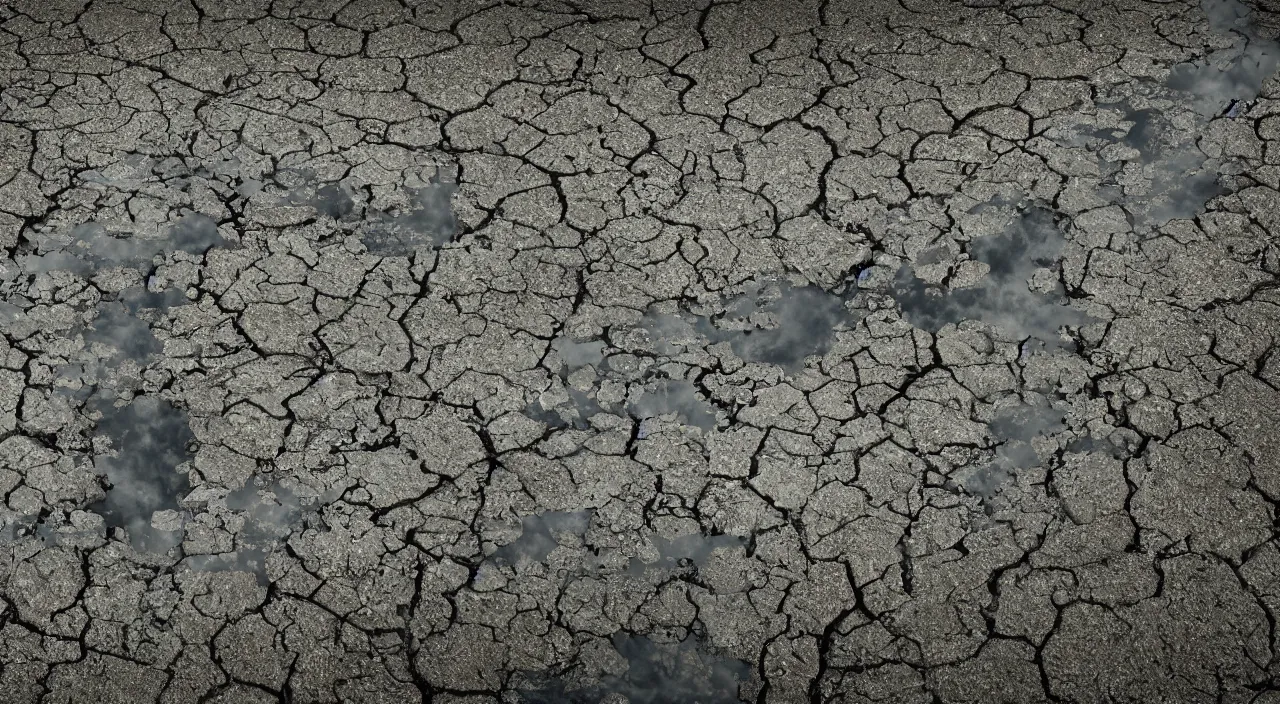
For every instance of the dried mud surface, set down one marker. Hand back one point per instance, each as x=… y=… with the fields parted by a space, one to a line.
x=765 y=351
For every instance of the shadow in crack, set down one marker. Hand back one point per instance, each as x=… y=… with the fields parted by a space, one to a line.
x=429 y=222
x=1003 y=298
x=652 y=672
x=150 y=440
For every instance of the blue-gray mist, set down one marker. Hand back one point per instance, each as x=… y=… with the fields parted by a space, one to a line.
x=574 y=412
x=575 y=354
x=333 y=201
x=1002 y=298
x=1013 y=429
x=684 y=552
x=1221 y=85
x=772 y=323
x=117 y=328
x=780 y=324
x=150 y=438
x=429 y=222
x=90 y=247
x=676 y=397
x=538 y=536
x=119 y=334
x=269 y=517
x=196 y=233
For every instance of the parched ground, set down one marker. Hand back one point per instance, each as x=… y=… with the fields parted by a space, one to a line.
x=653 y=352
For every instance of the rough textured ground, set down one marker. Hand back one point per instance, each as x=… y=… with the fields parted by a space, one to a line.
x=652 y=352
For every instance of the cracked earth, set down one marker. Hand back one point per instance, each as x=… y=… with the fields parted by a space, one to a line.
x=655 y=352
